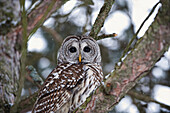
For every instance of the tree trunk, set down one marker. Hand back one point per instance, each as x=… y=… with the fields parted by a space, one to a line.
x=10 y=55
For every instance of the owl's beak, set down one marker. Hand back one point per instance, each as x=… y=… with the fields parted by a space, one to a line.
x=80 y=58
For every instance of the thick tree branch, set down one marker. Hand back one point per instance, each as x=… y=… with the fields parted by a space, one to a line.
x=137 y=64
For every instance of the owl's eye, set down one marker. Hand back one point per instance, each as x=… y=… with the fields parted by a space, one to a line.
x=73 y=49
x=86 y=49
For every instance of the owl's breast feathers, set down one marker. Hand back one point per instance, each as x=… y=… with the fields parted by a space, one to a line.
x=68 y=83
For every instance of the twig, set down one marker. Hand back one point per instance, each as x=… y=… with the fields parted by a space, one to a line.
x=23 y=57
x=106 y=36
x=101 y=18
x=135 y=35
x=56 y=36
x=27 y=103
x=146 y=98
x=35 y=77
x=42 y=19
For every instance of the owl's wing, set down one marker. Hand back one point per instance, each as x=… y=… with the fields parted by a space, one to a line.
x=56 y=90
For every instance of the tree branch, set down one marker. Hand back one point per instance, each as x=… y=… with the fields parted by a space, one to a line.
x=136 y=34
x=27 y=103
x=23 y=54
x=106 y=36
x=137 y=64
x=101 y=18
x=44 y=16
x=146 y=98
x=55 y=35
x=33 y=76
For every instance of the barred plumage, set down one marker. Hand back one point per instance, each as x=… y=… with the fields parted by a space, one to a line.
x=69 y=84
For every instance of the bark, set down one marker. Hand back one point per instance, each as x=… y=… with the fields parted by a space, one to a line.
x=10 y=54
x=139 y=61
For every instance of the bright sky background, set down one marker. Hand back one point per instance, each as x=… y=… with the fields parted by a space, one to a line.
x=140 y=9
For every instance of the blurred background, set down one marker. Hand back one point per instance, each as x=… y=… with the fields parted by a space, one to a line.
x=77 y=17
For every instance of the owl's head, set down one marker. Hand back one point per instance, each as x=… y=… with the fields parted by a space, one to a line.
x=79 y=49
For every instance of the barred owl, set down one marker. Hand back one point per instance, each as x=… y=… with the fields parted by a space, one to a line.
x=76 y=76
